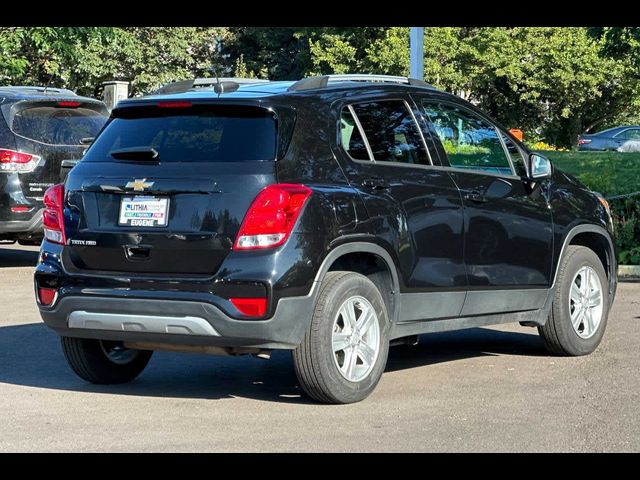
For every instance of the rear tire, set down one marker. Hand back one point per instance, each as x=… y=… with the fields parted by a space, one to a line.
x=340 y=359
x=104 y=362
x=568 y=331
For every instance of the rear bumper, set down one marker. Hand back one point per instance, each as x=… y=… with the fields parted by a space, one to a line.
x=23 y=228
x=177 y=322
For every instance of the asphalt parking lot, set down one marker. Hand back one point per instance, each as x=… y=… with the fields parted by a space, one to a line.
x=489 y=389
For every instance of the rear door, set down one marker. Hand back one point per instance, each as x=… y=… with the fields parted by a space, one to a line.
x=413 y=207
x=54 y=131
x=507 y=220
x=179 y=209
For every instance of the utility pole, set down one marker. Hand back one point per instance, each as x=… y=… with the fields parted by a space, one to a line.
x=416 y=42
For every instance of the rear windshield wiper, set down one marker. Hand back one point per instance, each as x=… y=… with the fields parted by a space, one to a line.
x=136 y=153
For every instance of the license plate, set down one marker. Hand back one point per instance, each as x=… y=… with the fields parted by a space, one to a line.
x=143 y=211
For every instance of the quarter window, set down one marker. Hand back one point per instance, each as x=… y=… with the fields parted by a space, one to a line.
x=391 y=131
x=352 y=141
x=470 y=142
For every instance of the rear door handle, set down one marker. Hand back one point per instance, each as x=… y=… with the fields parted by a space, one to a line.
x=475 y=196
x=375 y=183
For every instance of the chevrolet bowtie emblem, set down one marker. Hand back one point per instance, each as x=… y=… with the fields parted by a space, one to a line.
x=139 y=185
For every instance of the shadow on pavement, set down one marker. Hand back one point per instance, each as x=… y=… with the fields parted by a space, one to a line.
x=17 y=256
x=471 y=343
x=30 y=355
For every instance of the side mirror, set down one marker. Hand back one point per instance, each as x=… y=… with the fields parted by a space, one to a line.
x=539 y=167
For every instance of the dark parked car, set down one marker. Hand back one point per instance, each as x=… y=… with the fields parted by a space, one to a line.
x=621 y=139
x=333 y=217
x=40 y=129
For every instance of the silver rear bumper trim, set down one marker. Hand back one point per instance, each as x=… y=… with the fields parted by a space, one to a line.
x=141 y=323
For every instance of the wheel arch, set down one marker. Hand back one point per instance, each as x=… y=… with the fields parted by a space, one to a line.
x=599 y=241
x=370 y=260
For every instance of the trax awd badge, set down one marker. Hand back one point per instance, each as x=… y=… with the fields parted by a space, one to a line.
x=139 y=185
x=84 y=243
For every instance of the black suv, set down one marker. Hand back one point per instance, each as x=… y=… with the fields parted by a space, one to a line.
x=41 y=135
x=333 y=217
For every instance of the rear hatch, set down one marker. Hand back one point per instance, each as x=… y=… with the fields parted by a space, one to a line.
x=53 y=129
x=165 y=187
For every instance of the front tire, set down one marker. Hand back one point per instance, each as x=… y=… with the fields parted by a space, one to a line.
x=104 y=362
x=580 y=307
x=344 y=351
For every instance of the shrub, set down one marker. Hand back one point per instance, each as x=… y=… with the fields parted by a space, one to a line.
x=540 y=145
x=464 y=148
x=626 y=212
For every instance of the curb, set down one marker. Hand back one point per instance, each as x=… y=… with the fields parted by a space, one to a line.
x=629 y=271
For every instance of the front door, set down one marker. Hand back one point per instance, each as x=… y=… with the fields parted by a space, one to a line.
x=414 y=209
x=507 y=220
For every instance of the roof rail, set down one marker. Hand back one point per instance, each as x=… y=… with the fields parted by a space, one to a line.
x=186 y=85
x=322 y=81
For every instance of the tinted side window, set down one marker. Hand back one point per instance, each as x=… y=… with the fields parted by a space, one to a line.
x=470 y=142
x=392 y=132
x=516 y=155
x=352 y=141
x=631 y=134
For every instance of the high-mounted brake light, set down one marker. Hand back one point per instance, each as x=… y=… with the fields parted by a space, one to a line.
x=271 y=216
x=53 y=214
x=251 y=307
x=174 y=104
x=13 y=161
x=68 y=104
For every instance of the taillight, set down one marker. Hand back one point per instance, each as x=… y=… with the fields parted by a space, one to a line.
x=12 y=161
x=271 y=216
x=251 y=307
x=46 y=296
x=583 y=141
x=53 y=215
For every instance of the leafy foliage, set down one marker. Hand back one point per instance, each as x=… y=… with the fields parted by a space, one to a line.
x=553 y=83
x=81 y=58
x=611 y=174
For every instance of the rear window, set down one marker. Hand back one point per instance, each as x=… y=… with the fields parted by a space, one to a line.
x=196 y=134
x=58 y=126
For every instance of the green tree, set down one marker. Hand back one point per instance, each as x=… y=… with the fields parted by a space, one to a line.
x=553 y=82
x=82 y=58
x=276 y=53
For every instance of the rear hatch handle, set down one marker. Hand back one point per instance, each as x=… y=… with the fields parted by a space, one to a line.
x=137 y=253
